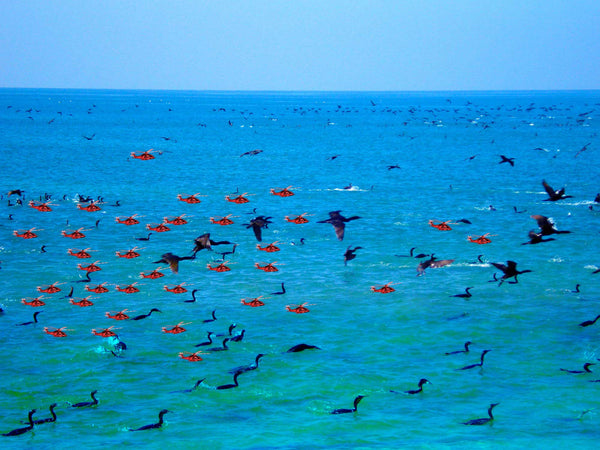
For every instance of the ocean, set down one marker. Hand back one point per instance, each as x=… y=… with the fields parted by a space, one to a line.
x=400 y=162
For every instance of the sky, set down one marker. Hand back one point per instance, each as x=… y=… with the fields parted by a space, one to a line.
x=301 y=45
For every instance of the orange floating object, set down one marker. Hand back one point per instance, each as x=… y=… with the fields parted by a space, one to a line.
x=131 y=220
x=219 y=268
x=98 y=289
x=384 y=289
x=129 y=254
x=91 y=268
x=82 y=254
x=191 y=356
x=83 y=302
x=190 y=199
x=239 y=199
x=443 y=226
x=300 y=309
x=57 y=332
x=285 y=192
x=179 y=289
x=92 y=207
x=152 y=275
x=144 y=156
x=105 y=333
x=222 y=221
x=26 y=234
x=267 y=268
x=41 y=206
x=298 y=219
x=269 y=248
x=179 y=220
x=129 y=289
x=120 y=315
x=36 y=302
x=51 y=289
x=481 y=239
x=160 y=228
x=254 y=302
x=176 y=329
x=77 y=234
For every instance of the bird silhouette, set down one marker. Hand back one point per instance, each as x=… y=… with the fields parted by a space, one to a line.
x=349 y=254
x=554 y=195
x=339 y=223
x=257 y=224
x=546 y=226
x=510 y=271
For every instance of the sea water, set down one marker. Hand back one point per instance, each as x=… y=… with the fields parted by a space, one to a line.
x=397 y=160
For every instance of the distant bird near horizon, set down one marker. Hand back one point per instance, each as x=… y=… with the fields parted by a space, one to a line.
x=505 y=159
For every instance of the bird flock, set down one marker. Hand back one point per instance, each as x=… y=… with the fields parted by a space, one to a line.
x=210 y=250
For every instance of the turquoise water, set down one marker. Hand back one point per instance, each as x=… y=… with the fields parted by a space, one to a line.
x=447 y=147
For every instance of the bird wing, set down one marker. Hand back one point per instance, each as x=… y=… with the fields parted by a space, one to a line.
x=441 y=263
x=500 y=266
x=548 y=189
x=339 y=228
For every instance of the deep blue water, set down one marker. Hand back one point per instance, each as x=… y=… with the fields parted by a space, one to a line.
x=446 y=146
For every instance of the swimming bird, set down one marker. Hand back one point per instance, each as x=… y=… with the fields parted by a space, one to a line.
x=466 y=350
x=546 y=226
x=588 y=323
x=143 y=316
x=349 y=254
x=412 y=254
x=48 y=419
x=479 y=364
x=220 y=349
x=193 y=297
x=209 y=336
x=467 y=294
x=422 y=381
x=554 y=195
x=230 y=386
x=510 y=270
x=511 y=161
x=153 y=425
x=586 y=369
x=213 y=317
x=280 y=292
x=302 y=347
x=433 y=263
x=248 y=367
x=257 y=224
x=238 y=337
x=18 y=431
x=345 y=411
x=86 y=404
x=173 y=260
x=144 y=238
x=339 y=222
x=483 y=420
x=35 y=314
x=223 y=254
x=198 y=383
x=576 y=290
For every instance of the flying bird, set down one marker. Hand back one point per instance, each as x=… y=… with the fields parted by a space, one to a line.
x=433 y=263
x=339 y=223
x=546 y=225
x=511 y=161
x=205 y=242
x=554 y=195
x=173 y=260
x=510 y=271
x=257 y=224
x=349 y=255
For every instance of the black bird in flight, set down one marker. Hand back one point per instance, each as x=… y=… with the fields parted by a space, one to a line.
x=339 y=223
x=554 y=195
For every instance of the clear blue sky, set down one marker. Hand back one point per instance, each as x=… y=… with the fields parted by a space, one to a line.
x=301 y=44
